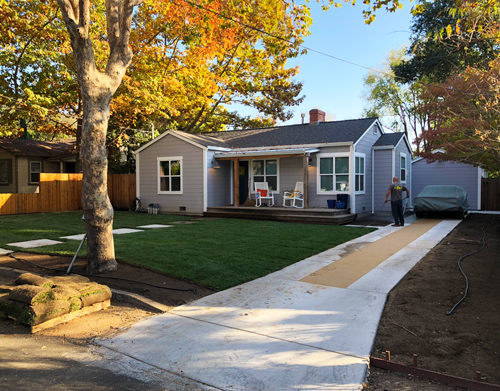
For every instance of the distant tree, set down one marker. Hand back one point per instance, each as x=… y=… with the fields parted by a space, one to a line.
x=435 y=53
x=387 y=97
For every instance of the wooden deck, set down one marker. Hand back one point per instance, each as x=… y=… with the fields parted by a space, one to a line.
x=277 y=213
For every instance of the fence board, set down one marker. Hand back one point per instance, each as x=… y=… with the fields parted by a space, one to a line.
x=490 y=194
x=63 y=192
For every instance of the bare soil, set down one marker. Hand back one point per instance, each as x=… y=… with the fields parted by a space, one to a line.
x=415 y=319
x=161 y=288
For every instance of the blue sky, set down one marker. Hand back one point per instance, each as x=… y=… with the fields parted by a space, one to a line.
x=337 y=87
x=334 y=86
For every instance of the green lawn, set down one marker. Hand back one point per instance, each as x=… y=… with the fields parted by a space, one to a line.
x=217 y=253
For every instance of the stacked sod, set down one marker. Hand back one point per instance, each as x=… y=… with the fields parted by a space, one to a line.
x=34 y=299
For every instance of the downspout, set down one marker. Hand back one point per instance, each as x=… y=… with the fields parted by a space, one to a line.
x=137 y=176
x=205 y=182
x=352 y=180
x=393 y=163
x=373 y=181
x=479 y=182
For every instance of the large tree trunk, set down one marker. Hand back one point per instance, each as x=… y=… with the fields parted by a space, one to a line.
x=97 y=89
x=97 y=207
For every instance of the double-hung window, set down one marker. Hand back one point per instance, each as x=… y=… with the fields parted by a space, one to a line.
x=359 y=173
x=5 y=171
x=333 y=174
x=170 y=175
x=266 y=170
x=402 y=175
x=35 y=170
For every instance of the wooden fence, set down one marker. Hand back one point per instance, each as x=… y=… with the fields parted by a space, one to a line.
x=490 y=194
x=63 y=192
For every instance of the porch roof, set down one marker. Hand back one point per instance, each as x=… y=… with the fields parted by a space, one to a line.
x=265 y=152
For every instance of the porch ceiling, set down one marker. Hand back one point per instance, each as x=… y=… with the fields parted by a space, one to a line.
x=265 y=153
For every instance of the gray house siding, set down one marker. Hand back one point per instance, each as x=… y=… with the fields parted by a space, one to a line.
x=291 y=172
x=382 y=177
x=447 y=173
x=364 y=146
x=219 y=182
x=192 y=176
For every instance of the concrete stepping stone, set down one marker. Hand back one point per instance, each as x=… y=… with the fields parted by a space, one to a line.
x=118 y=231
x=4 y=251
x=34 y=243
x=155 y=226
x=121 y=231
x=73 y=237
x=184 y=222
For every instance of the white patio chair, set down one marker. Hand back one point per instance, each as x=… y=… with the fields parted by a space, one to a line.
x=262 y=193
x=295 y=197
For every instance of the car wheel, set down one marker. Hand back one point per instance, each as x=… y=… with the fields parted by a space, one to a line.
x=419 y=215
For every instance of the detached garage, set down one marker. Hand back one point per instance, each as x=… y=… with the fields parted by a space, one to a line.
x=448 y=173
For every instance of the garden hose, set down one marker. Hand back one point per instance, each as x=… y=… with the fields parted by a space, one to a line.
x=462 y=270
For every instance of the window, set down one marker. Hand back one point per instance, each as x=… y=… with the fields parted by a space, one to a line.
x=359 y=174
x=35 y=170
x=333 y=174
x=402 y=175
x=170 y=175
x=266 y=171
x=5 y=171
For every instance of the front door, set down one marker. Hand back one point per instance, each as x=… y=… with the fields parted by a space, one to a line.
x=243 y=182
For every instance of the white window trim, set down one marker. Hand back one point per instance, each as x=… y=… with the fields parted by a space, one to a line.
x=250 y=168
x=169 y=158
x=30 y=181
x=363 y=156
x=402 y=154
x=318 y=175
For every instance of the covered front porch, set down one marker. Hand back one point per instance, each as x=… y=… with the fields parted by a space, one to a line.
x=250 y=167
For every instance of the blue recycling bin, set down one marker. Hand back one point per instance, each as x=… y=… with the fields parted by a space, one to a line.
x=342 y=201
x=331 y=203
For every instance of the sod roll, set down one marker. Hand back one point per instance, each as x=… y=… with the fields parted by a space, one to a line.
x=30 y=294
x=33 y=279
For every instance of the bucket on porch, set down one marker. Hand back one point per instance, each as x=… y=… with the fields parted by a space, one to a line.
x=331 y=203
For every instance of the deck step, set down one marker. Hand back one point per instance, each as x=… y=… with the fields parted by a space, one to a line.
x=311 y=216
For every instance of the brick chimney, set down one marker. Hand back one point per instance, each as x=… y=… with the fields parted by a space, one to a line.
x=316 y=116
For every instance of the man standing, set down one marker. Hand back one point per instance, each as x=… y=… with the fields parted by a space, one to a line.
x=396 y=192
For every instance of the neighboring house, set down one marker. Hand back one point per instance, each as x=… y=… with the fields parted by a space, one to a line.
x=392 y=158
x=189 y=173
x=448 y=173
x=22 y=161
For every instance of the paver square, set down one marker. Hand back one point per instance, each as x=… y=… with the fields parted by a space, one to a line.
x=155 y=226
x=121 y=231
x=74 y=237
x=35 y=243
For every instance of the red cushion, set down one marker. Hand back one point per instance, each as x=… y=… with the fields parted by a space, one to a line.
x=263 y=193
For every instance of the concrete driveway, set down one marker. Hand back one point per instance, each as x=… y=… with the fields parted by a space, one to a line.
x=302 y=328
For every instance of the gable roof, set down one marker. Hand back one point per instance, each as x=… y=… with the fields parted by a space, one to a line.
x=389 y=140
x=44 y=149
x=304 y=134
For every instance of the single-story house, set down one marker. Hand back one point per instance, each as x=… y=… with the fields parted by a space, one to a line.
x=448 y=173
x=188 y=173
x=22 y=161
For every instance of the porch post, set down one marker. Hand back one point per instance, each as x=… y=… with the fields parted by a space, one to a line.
x=305 y=166
x=236 y=182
